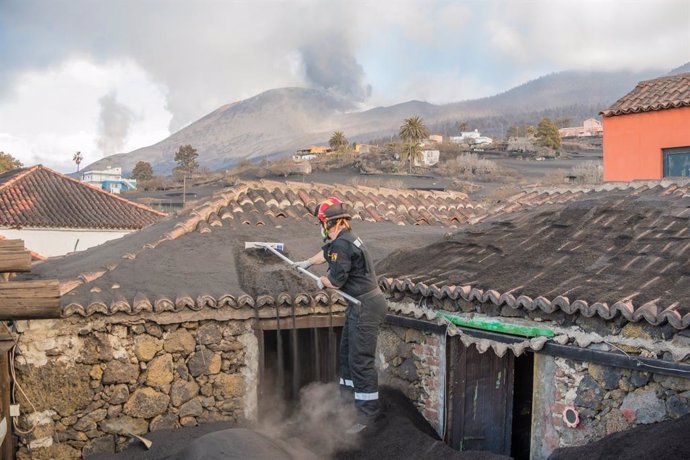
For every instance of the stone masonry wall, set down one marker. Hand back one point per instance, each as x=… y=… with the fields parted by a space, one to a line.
x=414 y=362
x=608 y=400
x=95 y=380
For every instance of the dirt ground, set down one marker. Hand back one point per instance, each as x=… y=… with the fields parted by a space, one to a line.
x=665 y=440
x=401 y=433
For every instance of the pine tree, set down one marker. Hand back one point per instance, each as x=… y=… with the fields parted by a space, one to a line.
x=547 y=134
x=185 y=157
x=142 y=171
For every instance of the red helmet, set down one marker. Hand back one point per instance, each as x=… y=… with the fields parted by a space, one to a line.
x=331 y=209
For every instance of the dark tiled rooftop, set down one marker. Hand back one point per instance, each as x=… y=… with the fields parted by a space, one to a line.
x=621 y=249
x=604 y=250
x=40 y=197
x=650 y=95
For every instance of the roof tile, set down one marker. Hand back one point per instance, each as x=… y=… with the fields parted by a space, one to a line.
x=651 y=95
x=40 y=197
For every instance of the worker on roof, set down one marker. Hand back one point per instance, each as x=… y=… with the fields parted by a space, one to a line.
x=351 y=270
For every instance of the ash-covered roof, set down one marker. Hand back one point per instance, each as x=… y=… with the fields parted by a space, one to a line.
x=657 y=94
x=39 y=197
x=614 y=249
x=197 y=260
x=268 y=201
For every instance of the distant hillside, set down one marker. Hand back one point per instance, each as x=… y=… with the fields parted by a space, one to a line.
x=685 y=68
x=279 y=121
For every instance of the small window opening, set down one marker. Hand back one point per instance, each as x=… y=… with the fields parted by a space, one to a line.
x=677 y=162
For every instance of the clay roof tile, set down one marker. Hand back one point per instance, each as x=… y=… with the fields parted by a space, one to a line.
x=650 y=95
x=40 y=197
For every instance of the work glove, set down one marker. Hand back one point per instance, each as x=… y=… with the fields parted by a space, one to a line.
x=319 y=283
x=305 y=264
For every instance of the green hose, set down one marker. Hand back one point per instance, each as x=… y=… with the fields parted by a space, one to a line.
x=497 y=326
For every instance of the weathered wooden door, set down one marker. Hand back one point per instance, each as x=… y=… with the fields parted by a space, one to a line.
x=481 y=399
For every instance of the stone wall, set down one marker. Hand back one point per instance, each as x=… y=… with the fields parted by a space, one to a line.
x=415 y=363
x=94 y=380
x=608 y=400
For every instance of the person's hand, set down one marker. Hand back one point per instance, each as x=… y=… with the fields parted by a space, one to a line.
x=305 y=264
x=319 y=283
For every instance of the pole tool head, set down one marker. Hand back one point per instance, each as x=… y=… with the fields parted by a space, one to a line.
x=263 y=245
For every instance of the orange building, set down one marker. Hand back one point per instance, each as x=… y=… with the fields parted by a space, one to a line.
x=647 y=131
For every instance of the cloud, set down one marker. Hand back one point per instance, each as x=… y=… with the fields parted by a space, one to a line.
x=206 y=53
x=188 y=58
x=441 y=88
x=592 y=34
x=52 y=114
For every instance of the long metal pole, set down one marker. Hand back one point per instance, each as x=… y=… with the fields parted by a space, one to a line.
x=310 y=274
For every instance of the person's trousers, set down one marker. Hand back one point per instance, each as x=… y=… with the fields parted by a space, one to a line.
x=358 y=373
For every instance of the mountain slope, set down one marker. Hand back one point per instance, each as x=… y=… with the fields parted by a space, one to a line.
x=280 y=121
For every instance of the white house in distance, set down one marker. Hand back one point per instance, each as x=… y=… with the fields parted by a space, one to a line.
x=55 y=214
x=428 y=158
x=471 y=137
x=109 y=179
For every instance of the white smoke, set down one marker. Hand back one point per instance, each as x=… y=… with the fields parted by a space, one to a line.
x=316 y=429
x=113 y=127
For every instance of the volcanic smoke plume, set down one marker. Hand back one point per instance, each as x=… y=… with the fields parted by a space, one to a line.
x=113 y=124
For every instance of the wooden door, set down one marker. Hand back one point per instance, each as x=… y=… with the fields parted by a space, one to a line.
x=481 y=399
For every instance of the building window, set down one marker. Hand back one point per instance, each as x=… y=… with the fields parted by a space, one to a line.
x=677 y=162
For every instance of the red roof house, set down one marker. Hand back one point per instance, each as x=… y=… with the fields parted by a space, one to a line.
x=647 y=131
x=55 y=214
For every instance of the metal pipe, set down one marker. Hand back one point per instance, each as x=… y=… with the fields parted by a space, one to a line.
x=281 y=364
x=317 y=354
x=295 y=358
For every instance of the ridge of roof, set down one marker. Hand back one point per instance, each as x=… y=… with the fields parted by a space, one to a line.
x=667 y=92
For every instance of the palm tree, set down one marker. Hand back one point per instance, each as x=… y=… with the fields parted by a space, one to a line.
x=412 y=132
x=412 y=153
x=338 y=141
x=77 y=159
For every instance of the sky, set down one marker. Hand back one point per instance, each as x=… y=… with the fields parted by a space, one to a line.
x=109 y=76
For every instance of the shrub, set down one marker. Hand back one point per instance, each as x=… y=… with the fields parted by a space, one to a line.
x=155 y=183
x=588 y=172
x=469 y=166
